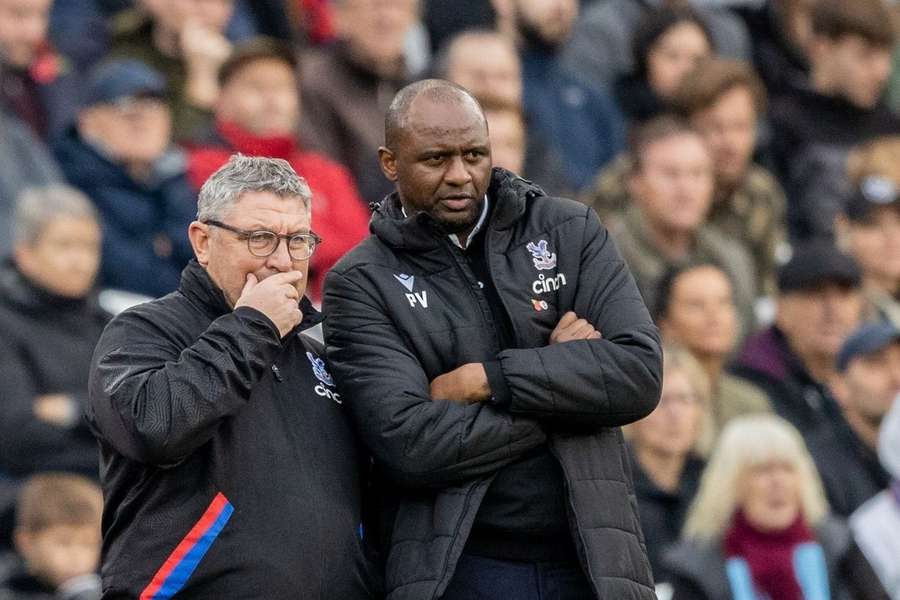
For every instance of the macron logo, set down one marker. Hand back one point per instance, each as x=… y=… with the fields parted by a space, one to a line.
x=407 y=281
x=414 y=298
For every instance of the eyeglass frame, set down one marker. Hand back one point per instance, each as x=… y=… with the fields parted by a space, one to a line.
x=247 y=234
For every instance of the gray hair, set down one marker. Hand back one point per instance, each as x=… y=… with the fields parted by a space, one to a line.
x=37 y=207
x=249 y=174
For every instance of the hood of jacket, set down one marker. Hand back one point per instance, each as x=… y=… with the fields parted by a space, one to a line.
x=507 y=191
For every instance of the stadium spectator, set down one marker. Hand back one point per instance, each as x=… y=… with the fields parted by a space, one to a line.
x=217 y=416
x=815 y=128
x=866 y=384
x=185 y=41
x=876 y=524
x=668 y=43
x=780 y=31
x=695 y=309
x=666 y=451
x=579 y=122
x=724 y=101
x=49 y=322
x=24 y=162
x=258 y=114
x=760 y=527
x=348 y=86
x=869 y=228
x=671 y=188
x=37 y=83
x=487 y=64
x=57 y=538
x=120 y=155
x=601 y=47
x=819 y=303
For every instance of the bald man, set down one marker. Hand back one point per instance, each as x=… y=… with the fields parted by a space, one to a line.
x=492 y=342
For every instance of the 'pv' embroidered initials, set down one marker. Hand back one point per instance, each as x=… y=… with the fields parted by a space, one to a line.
x=418 y=298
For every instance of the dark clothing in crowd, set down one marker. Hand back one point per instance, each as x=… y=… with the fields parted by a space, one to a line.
x=812 y=137
x=701 y=569
x=637 y=100
x=24 y=162
x=211 y=423
x=850 y=470
x=407 y=305
x=446 y=18
x=662 y=512
x=47 y=344
x=345 y=102
x=145 y=223
x=768 y=362
x=581 y=123
x=45 y=96
x=16 y=583
x=339 y=215
x=479 y=577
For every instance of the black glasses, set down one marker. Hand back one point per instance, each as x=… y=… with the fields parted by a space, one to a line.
x=263 y=243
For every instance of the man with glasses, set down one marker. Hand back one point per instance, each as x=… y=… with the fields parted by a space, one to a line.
x=228 y=467
x=120 y=154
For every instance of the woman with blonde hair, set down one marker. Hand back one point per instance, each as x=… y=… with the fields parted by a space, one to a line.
x=759 y=528
x=667 y=450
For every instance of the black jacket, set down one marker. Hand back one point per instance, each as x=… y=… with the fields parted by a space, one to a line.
x=404 y=307
x=47 y=345
x=851 y=471
x=211 y=424
x=699 y=568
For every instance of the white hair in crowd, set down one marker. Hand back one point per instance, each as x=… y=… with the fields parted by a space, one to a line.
x=747 y=442
x=249 y=174
x=37 y=207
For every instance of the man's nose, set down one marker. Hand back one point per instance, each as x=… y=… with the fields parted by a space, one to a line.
x=457 y=173
x=280 y=260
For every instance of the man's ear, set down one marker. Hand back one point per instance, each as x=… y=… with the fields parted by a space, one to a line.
x=23 y=542
x=198 y=233
x=388 y=162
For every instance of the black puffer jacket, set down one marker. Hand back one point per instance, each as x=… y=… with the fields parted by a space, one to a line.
x=405 y=307
x=229 y=468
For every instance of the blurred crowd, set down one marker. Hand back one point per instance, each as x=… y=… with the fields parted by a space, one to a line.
x=743 y=154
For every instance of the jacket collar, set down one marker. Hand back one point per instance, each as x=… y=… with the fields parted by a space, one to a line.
x=199 y=288
x=509 y=193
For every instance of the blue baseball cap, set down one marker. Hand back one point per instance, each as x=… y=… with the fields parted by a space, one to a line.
x=869 y=338
x=124 y=78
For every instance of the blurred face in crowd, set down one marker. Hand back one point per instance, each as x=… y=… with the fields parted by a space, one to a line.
x=488 y=66
x=673 y=428
x=673 y=55
x=376 y=30
x=875 y=244
x=817 y=321
x=441 y=164
x=130 y=130
x=850 y=67
x=550 y=20
x=60 y=552
x=729 y=128
x=673 y=185
x=225 y=254
x=769 y=494
x=65 y=257
x=701 y=315
x=871 y=383
x=262 y=97
x=173 y=15
x=23 y=29
x=507 y=135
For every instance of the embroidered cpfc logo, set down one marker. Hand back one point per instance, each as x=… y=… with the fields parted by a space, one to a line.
x=407 y=281
x=541 y=255
x=318 y=367
x=414 y=298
